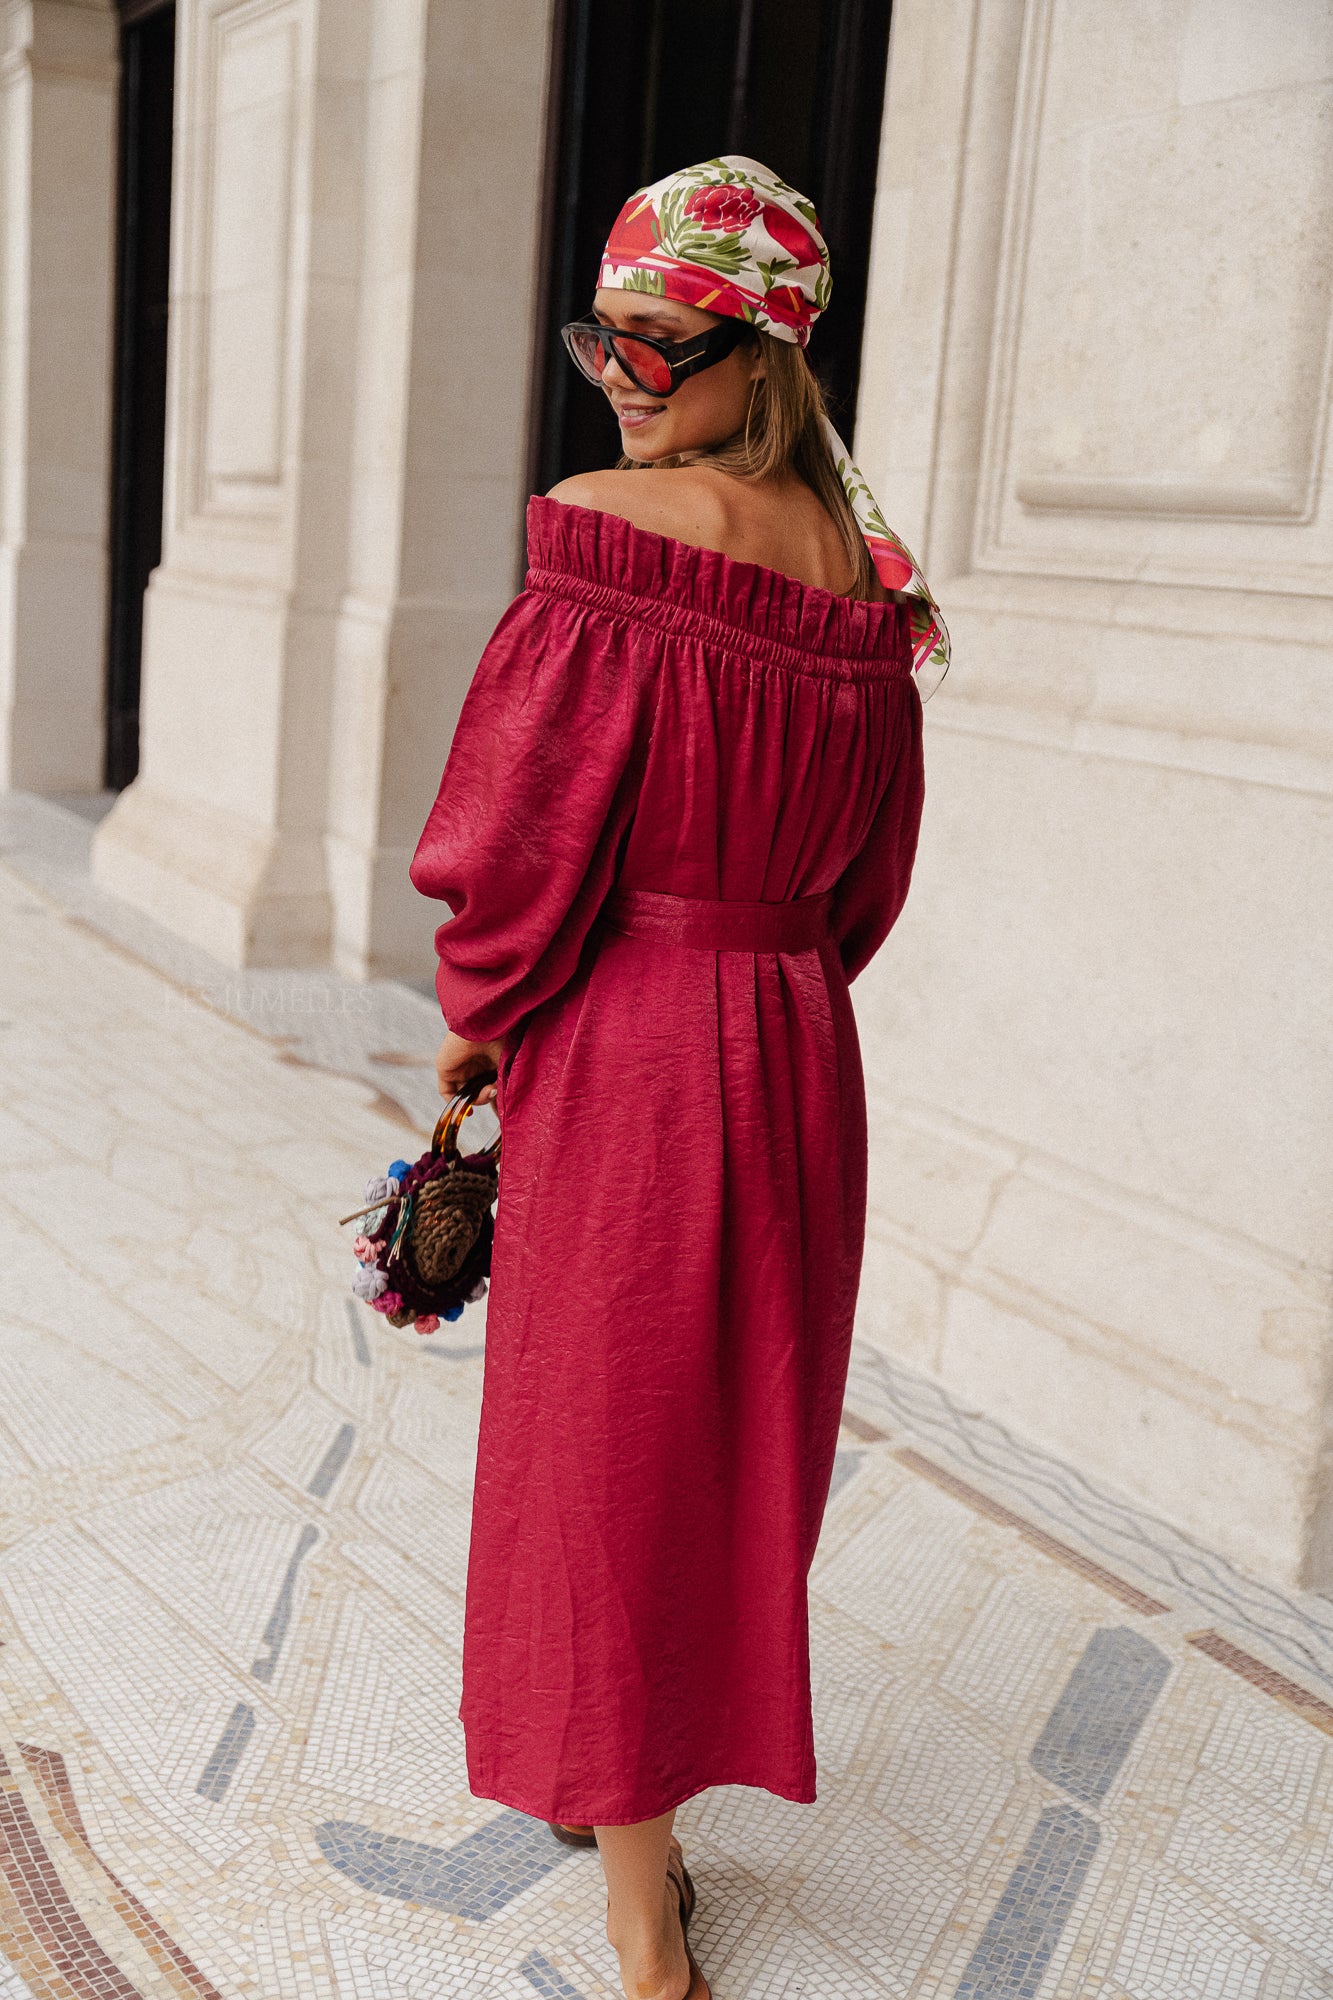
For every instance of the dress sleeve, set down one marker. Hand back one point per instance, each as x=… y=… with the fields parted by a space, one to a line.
x=872 y=889
x=539 y=786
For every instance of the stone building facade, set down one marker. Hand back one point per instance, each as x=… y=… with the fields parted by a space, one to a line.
x=1094 y=398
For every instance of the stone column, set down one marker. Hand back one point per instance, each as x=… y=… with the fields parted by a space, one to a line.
x=58 y=75
x=221 y=835
x=1096 y=393
x=357 y=182
x=441 y=422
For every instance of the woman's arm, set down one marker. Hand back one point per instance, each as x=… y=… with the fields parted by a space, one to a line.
x=541 y=781
x=872 y=889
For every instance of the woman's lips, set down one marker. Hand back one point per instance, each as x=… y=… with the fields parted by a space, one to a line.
x=632 y=417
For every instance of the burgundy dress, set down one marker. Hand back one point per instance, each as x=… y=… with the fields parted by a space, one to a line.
x=657 y=740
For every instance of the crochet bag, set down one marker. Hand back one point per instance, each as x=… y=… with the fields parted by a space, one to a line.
x=425 y=1245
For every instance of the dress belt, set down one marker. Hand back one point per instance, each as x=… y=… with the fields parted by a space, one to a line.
x=706 y=924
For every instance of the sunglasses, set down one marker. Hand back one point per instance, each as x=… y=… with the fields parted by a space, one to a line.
x=656 y=366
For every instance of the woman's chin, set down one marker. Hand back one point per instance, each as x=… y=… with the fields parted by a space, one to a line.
x=643 y=440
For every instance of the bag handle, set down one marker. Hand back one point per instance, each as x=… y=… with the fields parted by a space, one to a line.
x=448 y=1125
x=444 y=1139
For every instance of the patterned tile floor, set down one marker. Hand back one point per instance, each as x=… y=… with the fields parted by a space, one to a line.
x=1063 y=1751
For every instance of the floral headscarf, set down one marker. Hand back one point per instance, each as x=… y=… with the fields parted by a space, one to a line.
x=730 y=237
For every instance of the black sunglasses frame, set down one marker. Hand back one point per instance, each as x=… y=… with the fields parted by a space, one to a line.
x=683 y=357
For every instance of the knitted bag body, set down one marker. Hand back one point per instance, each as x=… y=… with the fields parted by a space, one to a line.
x=425 y=1245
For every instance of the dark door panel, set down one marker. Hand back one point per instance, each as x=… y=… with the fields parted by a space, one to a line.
x=640 y=87
x=147 y=56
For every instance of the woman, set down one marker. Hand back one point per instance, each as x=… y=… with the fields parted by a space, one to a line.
x=678 y=816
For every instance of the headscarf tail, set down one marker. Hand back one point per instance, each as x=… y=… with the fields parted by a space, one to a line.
x=897 y=569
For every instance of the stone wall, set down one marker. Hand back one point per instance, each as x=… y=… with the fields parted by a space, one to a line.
x=1095 y=400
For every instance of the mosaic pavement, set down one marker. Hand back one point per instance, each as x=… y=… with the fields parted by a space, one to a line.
x=1062 y=1750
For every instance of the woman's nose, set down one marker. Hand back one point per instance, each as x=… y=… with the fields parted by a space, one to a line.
x=614 y=376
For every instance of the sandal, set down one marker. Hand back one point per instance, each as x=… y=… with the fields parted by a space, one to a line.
x=679 y=1875
x=572 y=1836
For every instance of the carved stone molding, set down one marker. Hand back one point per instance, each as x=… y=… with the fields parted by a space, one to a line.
x=1162 y=351
x=241 y=165
x=1181 y=499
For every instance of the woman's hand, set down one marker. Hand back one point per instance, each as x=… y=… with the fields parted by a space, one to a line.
x=458 y=1060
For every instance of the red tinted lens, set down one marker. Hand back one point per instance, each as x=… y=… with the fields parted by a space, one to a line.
x=648 y=368
x=589 y=353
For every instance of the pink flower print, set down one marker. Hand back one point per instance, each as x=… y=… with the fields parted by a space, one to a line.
x=788 y=230
x=892 y=569
x=694 y=285
x=719 y=209
x=633 y=232
x=789 y=304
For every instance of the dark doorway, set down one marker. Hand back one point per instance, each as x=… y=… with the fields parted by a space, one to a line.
x=147 y=60
x=643 y=86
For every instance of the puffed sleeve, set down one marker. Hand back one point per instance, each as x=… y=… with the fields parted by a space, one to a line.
x=872 y=889
x=539 y=786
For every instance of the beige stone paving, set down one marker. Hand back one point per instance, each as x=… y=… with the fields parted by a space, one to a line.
x=178 y=1354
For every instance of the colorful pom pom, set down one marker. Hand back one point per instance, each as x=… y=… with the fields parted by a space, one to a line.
x=381 y=1190
x=387 y=1302
x=369 y=1283
x=427 y=1322
x=398 y=1172
x=452 y=1312
x=365 y=1250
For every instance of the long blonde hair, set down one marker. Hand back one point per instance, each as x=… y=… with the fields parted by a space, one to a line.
x=783 y=432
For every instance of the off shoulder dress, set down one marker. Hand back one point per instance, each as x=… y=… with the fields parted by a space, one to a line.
x=678 y=817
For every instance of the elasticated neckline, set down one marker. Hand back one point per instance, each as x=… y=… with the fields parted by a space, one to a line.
x=605 y=561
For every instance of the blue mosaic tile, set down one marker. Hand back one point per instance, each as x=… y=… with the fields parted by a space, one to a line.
x=1106 y=1701
x=360 y=1345
x=1010 y=1961
x=473 y=1879
x=552 y=1985
x=280 y=1617
x=845 y=1464
x=221 y=1766
x=452 y=1353
x=332 y=1463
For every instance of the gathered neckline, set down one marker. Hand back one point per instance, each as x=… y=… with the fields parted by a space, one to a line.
x=615 y=559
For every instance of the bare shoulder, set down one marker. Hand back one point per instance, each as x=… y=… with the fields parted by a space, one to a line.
x=598 y=490
x=678 y=501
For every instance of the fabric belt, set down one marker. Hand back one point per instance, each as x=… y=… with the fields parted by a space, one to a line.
x=706 y=924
